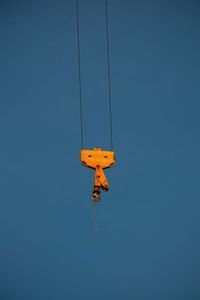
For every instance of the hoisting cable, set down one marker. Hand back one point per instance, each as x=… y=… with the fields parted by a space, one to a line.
x=95 y=226
x=80 y=89
x=108 y=62
x=79 y=73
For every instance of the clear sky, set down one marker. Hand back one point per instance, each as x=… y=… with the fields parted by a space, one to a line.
x=149 y=243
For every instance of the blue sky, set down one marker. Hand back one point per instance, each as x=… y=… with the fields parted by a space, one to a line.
x=148 y=246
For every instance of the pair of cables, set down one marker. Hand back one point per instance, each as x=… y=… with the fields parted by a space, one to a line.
x=80 y=89
x=108 y=67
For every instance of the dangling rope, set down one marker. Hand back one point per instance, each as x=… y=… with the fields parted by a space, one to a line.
x=108 y=62
x=79 y=73
x=95 y=227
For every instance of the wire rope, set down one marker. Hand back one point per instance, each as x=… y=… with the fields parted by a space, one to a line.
x=108 y=63
x=79 y=72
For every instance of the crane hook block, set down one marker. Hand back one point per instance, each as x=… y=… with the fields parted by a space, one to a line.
x=98 y=160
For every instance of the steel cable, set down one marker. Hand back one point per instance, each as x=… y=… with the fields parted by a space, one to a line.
x=79 y=73
x=108 y=62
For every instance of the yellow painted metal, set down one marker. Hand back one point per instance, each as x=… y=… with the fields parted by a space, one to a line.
x=98 y=160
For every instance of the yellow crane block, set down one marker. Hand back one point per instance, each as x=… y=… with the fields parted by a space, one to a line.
x=98 y=160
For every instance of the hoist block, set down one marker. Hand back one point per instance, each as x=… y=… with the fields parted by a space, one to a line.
x=98 y=160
